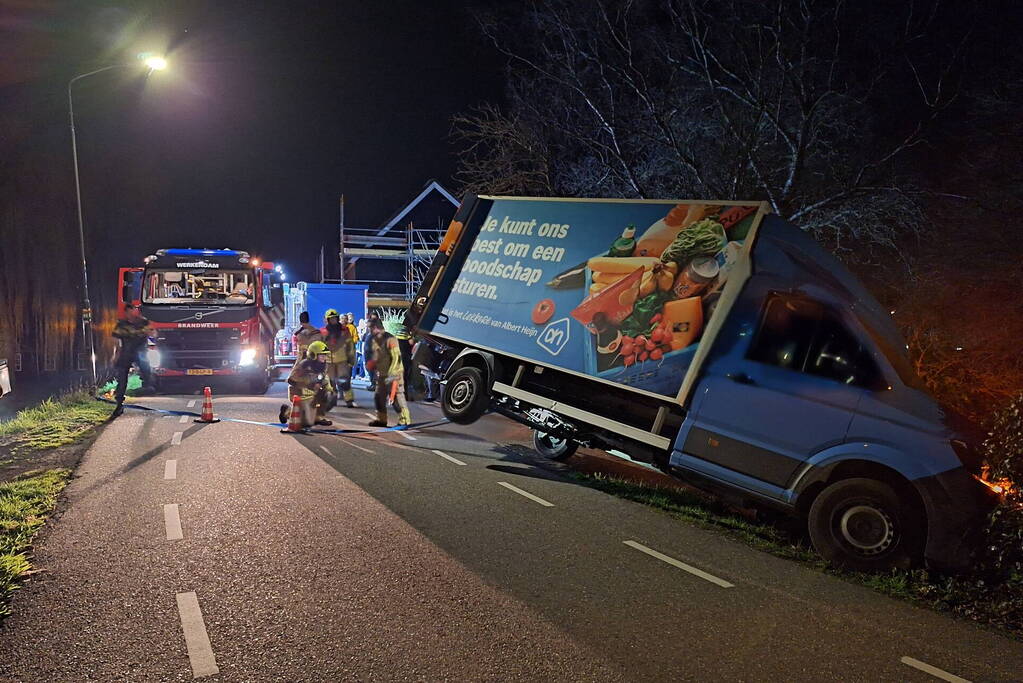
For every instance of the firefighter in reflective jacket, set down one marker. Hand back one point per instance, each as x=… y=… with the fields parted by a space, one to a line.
x=305 y=335
x=309 y=381
x=342 y=354
x=390 y=375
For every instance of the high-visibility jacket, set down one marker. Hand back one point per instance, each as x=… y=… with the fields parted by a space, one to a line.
x=309 y=377
x=340 y=343
x=387 y=355
x=305 y=335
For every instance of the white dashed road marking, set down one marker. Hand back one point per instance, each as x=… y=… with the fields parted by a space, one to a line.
x=527 y=494
x=681 y=565
x=197 y=641
x=176 y=439
x=351 y=442
x=191 y=404
x=170 y=469
x=448 y=457
x=172 y=521
x=184 y=419
x=932 y=670
x=407 y=436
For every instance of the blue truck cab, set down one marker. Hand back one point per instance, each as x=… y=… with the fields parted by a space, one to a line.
x=808 y=398
x=796 y=393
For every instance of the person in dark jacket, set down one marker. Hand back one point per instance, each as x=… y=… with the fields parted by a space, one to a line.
x=133 y=331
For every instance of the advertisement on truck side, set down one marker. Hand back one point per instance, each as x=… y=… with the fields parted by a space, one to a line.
x=621 y=291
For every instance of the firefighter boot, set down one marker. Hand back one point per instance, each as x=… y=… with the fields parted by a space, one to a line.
x=406 y=417
x=381 y=420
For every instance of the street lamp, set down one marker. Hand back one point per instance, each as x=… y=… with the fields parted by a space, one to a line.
x=154 y=63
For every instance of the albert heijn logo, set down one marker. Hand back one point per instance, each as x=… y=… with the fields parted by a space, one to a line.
x=554 y=336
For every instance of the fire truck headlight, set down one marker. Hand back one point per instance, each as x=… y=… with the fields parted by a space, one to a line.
x=248 y=357
x=153 y=356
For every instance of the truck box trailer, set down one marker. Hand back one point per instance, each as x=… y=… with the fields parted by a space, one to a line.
x=716 y=341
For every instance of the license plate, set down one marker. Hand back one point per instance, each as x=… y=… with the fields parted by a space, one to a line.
x=199 y=371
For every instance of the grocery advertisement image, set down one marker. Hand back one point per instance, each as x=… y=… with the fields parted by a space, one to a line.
x=621 y=291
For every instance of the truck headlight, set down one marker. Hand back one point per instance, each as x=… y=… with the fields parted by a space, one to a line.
x=248 y=357
x=153 y=356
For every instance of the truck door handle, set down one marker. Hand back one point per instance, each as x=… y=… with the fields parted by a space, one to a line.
x=740 y=378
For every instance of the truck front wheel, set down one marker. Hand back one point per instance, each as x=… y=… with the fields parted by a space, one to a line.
x=553 y=447
x=465 y=397
x=860 y=524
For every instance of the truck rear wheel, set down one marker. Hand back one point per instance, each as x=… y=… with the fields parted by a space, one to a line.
x=465 y=397
x=553 y=447
x=860 y=524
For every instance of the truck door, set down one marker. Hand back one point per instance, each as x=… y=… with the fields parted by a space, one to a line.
x=786 y=395
x=129 y=288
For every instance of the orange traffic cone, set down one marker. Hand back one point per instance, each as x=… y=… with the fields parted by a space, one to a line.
x=295 y=421
x=207 y=408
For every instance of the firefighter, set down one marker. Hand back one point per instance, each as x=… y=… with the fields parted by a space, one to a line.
x=390 y=375
x=342 y=353
x=133 y=331
x=304 y=336
x=311 y=383
x=405 y=346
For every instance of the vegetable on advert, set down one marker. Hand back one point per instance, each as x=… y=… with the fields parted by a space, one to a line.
x=703 y=238
x=643 y=312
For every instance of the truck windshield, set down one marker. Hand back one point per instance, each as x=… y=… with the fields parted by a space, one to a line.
x=232 y=287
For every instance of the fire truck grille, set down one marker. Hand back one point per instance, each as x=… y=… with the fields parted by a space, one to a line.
x=210 y=348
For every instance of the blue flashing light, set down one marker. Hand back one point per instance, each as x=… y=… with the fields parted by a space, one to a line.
x=202 y=252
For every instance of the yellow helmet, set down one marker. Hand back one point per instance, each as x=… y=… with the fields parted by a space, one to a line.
x=331 y=313
x=315 y=349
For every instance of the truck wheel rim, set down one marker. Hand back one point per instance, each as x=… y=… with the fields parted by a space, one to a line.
x=549 y=441
x=461 y=393
x=869 y=530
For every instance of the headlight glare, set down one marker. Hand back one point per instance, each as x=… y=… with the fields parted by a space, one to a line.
x=248 y=357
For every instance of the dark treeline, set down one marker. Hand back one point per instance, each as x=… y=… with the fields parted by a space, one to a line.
x=890 y=131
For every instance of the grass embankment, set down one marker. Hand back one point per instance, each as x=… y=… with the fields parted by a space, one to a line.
x=970 y=596
x=26 y=443
x=54 y=422
x=25 y=504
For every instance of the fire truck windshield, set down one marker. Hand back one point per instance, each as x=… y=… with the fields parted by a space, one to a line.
x=233 y=287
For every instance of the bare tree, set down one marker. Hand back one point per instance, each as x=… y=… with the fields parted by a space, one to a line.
x=811 y=105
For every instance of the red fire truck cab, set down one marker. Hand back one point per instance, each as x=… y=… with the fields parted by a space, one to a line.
x=215 y=313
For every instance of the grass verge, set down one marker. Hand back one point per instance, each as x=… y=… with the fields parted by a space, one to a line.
x=967 y=596
x=54 y=422
x=25 y=504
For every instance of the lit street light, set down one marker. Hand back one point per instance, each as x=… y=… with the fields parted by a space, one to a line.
x=154 y=63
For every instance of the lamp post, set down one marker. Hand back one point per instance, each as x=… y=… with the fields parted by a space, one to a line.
x=154 y=64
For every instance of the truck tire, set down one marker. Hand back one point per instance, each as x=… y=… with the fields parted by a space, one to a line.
x=860 y=524
x=259 y=385
x=465 y=396
x=553 y=447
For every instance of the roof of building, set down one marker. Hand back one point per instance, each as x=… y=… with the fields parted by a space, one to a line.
x=431 y=186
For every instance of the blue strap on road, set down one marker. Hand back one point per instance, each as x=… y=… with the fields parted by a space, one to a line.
x=280 y=425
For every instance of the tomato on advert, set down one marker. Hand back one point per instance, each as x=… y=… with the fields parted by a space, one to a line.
x=543 y=311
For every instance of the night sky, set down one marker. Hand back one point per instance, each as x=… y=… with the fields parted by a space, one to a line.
x=268 y=113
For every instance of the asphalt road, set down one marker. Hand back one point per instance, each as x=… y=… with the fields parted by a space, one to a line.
x=235 y=551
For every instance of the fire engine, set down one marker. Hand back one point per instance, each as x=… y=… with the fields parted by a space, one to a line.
x=215 y=312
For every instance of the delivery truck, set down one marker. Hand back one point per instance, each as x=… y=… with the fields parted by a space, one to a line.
x=716 y=341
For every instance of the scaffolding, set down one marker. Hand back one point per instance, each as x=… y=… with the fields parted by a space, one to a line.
x=412 y=247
